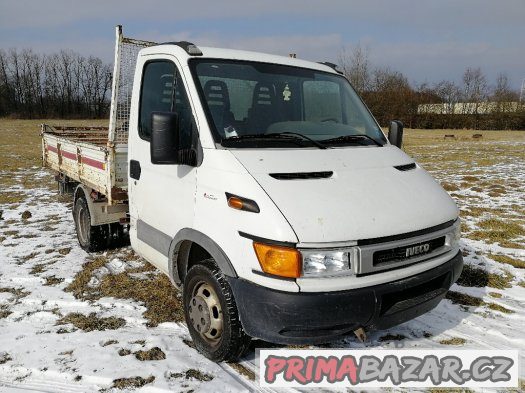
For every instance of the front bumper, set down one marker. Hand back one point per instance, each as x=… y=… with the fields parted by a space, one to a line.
x=317 y=317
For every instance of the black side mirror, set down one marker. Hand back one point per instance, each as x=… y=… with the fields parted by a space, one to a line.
x=164 y=145
x=395 y=133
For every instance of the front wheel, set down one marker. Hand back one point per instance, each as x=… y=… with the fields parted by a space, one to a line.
x=211 y=314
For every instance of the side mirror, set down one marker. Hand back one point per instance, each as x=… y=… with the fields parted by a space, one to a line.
x=395 y=133
x=164 y=145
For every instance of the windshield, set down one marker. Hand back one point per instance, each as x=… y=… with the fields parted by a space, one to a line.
x=251 y=104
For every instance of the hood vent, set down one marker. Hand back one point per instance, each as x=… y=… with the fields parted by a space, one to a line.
x=406 y=167
x=302 y=175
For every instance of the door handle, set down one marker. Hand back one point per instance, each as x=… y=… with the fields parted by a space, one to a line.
x=134 y=169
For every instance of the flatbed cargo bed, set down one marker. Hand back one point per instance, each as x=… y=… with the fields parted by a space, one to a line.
x=84 y=155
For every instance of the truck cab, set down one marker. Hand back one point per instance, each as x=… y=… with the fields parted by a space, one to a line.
x=263 y=186
x=267 y=192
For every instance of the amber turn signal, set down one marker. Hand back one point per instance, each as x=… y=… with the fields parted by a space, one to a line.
x=278 y=260
x=235 y=203
x=239 y=203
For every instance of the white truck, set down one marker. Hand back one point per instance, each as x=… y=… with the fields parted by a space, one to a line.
x=266 y=191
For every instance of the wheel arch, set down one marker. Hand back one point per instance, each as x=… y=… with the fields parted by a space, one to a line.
x=82 y=190
x=187 y=247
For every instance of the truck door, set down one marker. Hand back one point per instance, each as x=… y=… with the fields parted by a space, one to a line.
x=161 y=196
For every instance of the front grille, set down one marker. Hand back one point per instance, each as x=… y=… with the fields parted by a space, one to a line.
x=407 y=252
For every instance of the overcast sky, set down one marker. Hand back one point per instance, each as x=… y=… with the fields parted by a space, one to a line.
x=427 y=40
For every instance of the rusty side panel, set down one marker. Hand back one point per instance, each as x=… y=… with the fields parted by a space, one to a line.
x=119 y=194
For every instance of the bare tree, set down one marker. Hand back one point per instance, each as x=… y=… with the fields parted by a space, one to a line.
x=449 y=93
x=475 y=89
x=65 y=84
x=391 y=96
x=502 y=92
x=504 y=101
x=6 y=95
x=356 y=67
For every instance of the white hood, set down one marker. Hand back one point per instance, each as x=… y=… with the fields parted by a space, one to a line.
x=366 y=197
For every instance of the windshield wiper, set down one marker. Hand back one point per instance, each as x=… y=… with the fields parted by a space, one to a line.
x=350 y=138
x=277 y=135
x=299 y=135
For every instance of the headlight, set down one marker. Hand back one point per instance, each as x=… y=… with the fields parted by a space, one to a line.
x=325 y=262
x=455 y=236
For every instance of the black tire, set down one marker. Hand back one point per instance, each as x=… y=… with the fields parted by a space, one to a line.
x=233 y=341
x=91 y=238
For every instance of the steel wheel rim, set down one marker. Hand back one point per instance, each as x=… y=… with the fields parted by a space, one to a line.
x=205 y=313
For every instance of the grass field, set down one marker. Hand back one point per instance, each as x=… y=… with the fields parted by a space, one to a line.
x=110 y=321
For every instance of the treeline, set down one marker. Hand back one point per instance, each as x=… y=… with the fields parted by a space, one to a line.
x=389 y=95
x=69 y=85
x=64 y=84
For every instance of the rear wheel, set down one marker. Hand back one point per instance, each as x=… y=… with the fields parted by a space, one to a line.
x=211 y=314
x=91 y=237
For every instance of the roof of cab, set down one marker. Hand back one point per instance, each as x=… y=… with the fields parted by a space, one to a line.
x=235 y=54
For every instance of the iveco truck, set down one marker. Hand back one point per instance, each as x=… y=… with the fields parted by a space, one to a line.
x=267 y=192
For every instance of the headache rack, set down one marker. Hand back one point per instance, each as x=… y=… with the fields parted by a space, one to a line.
x=126 y=52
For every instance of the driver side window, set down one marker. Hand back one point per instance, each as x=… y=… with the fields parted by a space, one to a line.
x=163 y=91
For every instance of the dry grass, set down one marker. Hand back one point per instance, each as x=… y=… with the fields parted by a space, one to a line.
x=500 y=308
x=192 y=374
x=28 y=257
x=4 y=312
x=79 y=286
x=38 y=268
x=508 y=260
x=246 y=372
x=449 y=186
x=453 y=341
x=91 y=322
x=198 y=375
x=132 y=383
x=392 y=337
x=109 y=342
x=494 y=230
x=471 y=301
x=477 y=277
x=139 y=342
x=464 y=299
x=495 y=295
x=156 y=293
x=52 y=280
x=20 y=140
x=124 y=352
x=18 y=293
x=11 y=197
x=152 y=354
x=5 y=357
x=436 y=154
x=64 y=251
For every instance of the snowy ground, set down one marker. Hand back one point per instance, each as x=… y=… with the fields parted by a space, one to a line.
x=118 y=347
